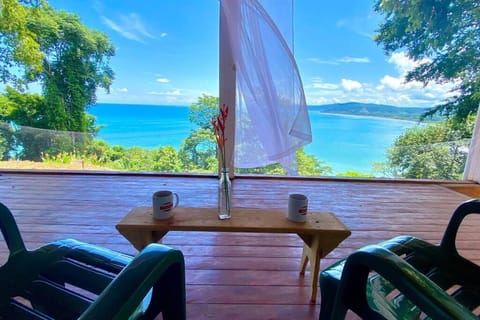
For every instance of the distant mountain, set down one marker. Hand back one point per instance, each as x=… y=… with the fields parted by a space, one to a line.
x=373 y=110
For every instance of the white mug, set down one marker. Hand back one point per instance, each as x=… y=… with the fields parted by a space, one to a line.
x=163 y=204
x=297 y=207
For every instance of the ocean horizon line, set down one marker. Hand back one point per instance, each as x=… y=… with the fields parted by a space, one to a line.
x=343 y=142
x=308 y=105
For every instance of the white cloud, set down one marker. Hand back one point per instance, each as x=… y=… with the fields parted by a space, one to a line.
x=124 y=33
x=129 y=26
x=121 y=89
x=136 y=23
x=317 y=83
x=163 y=80
x=175 y=92
x=340 y=60
x=354 y=60
x=326 y=86
x=389 y=89
x=403 y=63
x=399 y=83
x=390 y=82
x=399 y=91
x=176 y=96
x=350 y=85
x=163 y=35
x=319 y=61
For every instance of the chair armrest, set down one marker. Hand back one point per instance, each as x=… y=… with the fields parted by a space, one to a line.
x=449 y=238
x=158 y=267
x=10 y=231
x=420 y=290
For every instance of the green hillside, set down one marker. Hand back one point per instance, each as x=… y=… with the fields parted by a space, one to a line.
x=373 y=110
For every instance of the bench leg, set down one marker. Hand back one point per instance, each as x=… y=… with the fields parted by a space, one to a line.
x=312 y=253
x=140 y=239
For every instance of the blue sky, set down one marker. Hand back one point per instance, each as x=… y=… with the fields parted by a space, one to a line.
x=167 y=52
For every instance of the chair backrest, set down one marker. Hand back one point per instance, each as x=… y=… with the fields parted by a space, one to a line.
x=448 y=242
x=10 y=231
x=415 y=286
x=70 y=279
x=406 y=278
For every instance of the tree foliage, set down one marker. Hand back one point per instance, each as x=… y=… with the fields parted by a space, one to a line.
x=435 y=151
x=445 y=36
x=19 y=46
x=53 y=47
x=70 y=62
x=23 y=109
x=166 y=159
x=308 y=165
x=77 y=66
x=198 y=151
x=203 y=111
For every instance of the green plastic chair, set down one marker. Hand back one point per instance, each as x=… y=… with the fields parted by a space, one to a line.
x=405 y=278
x=69 y=279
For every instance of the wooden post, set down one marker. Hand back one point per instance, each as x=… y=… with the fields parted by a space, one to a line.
x=227 y=88
x=472 y=171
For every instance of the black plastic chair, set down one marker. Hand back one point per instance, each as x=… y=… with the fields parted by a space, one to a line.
x=405 y=278
x=69 y=279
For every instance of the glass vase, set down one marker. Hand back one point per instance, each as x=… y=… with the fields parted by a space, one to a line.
x=224 y=195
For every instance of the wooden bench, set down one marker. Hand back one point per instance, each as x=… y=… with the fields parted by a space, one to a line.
x=321 y=233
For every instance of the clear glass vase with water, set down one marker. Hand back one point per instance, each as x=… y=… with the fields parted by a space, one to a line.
x=224 y=195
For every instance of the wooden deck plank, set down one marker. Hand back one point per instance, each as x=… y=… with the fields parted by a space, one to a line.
x=235 y=275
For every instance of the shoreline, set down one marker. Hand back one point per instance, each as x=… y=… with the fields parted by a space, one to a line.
x=350 y=115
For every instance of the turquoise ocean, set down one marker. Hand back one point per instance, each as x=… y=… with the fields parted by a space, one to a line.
x=343 y=142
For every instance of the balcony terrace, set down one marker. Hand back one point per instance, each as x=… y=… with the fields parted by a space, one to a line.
x=236 y=275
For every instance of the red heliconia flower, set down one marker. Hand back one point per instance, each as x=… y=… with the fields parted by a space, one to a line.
x=215 y=127
x=224 y=111
x=218 y=124
x=220 y=142
x=221 y=125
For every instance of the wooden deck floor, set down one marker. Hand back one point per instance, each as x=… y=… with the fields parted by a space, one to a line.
x=234 y=276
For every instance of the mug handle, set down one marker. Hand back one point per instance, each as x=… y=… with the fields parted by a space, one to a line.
x=177 y=200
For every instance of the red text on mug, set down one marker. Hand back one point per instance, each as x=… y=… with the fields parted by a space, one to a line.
x=166 y=206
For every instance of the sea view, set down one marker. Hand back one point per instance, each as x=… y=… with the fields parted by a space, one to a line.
x=342 y=142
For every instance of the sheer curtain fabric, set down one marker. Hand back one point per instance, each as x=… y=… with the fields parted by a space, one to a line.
x=272 y=119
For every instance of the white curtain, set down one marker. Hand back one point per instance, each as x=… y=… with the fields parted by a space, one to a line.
x=272 y=119
x=472 y=168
